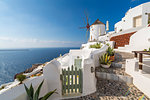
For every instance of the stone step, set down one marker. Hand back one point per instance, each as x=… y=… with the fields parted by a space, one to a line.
x=117 y=65
x=114 y=77
x=123 y=50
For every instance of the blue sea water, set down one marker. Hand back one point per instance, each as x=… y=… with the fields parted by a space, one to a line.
x=15 y=61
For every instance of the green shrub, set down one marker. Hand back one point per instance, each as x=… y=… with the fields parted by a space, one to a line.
x=97 y=46
x=104 y=59
x=21 y=78
x=145 y=50
x=35 y=96
x=2 y=87
x=108 y=44
x=149 y=49
x=110 y=51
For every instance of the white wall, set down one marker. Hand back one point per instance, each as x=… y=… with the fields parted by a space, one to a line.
x=127 y=21
x=64 y=60
x=140 y=40
x=51 y=73
x=94 y=31
x=140 y=80
x=146 y=9
x=19 y=93
x=82 y=53
x=97 y=53
x=89 y=79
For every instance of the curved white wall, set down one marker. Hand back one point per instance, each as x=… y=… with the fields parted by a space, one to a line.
x=140 y=40
x=51 y=73
x=89 y=79
x=19 y=93
x=97 y=53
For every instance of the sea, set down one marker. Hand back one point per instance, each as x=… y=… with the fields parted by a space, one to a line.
x=13 y=61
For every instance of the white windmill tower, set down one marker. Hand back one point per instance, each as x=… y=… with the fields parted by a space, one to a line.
x=96 y=29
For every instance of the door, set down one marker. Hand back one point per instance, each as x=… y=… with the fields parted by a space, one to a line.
x=78 y=63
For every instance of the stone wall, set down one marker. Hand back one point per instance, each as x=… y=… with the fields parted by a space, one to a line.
x=121 y=40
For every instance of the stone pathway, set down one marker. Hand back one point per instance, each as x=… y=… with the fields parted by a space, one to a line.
x=122 y=56
x=115 y=90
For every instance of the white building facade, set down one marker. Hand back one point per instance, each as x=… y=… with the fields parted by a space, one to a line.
x=138 y=16
x=96 y=29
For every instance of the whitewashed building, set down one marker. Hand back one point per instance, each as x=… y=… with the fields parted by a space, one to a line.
x=97 y=29
x=138 y=16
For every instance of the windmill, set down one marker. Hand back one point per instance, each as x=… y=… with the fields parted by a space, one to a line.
x=87 y=26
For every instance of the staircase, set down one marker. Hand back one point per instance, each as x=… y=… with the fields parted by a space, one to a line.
x=117 y=70
x=122 y=40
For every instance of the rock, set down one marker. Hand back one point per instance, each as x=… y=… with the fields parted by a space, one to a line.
x=34 y=66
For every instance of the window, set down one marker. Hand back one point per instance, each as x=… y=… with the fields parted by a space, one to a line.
x=137 y=21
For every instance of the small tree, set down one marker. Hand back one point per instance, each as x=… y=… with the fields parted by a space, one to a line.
x=21 y=78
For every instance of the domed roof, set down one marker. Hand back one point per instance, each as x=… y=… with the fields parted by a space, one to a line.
x=98 y=22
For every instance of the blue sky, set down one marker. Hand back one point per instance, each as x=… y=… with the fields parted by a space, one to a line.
x=55 y=23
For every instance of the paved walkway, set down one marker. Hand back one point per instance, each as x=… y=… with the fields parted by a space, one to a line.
x=114 y=90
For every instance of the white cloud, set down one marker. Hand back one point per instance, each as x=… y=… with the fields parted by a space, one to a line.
x=10 y=42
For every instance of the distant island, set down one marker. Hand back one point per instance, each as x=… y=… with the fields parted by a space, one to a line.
x=14 y=49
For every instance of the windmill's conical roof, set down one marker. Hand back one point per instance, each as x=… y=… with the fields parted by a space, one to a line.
x=98 y=22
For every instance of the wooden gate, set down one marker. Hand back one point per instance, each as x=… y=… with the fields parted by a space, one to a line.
x=71 y=80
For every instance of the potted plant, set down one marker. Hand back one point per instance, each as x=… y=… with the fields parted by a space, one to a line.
x=21 y=78
x=111 y=53
x=105 y=61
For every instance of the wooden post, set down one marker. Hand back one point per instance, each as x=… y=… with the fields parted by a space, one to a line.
x=64 y=80
x=140 y=60
x=72 y=79
x=135 y=54
x=68 y=80
x=75 y=79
